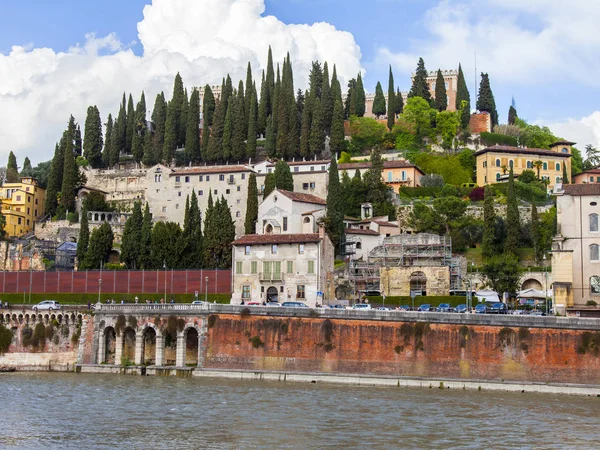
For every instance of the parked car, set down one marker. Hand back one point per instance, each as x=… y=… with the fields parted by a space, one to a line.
x=404 y=308
x=537 y=312
x=362 y=306
x=424 y=307
x=337 y=306
x=47 y=305
x=384 y=308
x=445 y=308
x=275 y=304
x=294 y=305
x=253 y=304
x=462 y=308
x=498 y=308
x=198 y=302
x=481 y=308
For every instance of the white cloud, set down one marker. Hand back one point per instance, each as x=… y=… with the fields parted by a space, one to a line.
x=584 y=131
x=202 y=39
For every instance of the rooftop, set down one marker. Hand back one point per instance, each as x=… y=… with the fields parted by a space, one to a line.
x=302 y=163
x=211 y=169
x=579 y=190
x=562 y=143
x=359 y=231
x=268 y=239
x=300 y=197
x=522 y=150
x=393 y=164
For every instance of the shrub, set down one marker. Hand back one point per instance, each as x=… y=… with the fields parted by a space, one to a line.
x=50 y=331
x=212 y=320
x=38 y=340
x=256 y=342
x=113 y=266
x=245 y=312
x=500 y=139
x=120 y=324
x=6 y=337
x=432 y=180
x=477 y=194
x=591 y=303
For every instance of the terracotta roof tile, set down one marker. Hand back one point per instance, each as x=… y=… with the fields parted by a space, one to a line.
x=210 y=170
x=267 y=239
x=523 y=150
x=304 y=163
x=310 y=213
x=304 y=198
x=386 y=224
x=359 y=231
x=394 y=164
x=578 y=190
x=557 y=143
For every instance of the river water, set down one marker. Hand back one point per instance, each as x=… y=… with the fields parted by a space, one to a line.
x=68 y=411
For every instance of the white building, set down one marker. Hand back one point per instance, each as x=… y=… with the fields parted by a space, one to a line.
x=290 y=258
x=367 y=232
x=310 y=177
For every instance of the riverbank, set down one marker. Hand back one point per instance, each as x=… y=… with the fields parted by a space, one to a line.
x=347 y=379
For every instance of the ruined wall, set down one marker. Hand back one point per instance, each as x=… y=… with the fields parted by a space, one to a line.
x=395 y=281
x=402 y=349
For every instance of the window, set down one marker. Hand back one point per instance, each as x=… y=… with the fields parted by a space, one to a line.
x=215 y=192
x=312 y=168
x=253 y=267
x=311 y=267
x=245 y=292
x=285 y=224
x=269 y=171
x=296 y=169
x=484 y=164
x=277 y=269
x=187 y=179
x=221 y=177
x=565 y=150
x=238 y=214
x=595 y=285
x=312 y=185
x=557 y=167
x=301 y=249
x=227 y=191
x=36 y=201
x=267 y=265
x=498 y=176
x=179 y=194
x=28 y=210
x=290 y=267
x=239 y=188
x=390 y=174
x=238 y=201
x=300 y=291
x=497 y=163
x=511 y=164
x=28 y=198
x=238 y=267
x=200 y=178
x=274 y=249
x=404 y=175
x=305 y=186
x=27 y=221
x=323 y=168
x=19 y=221
x=164 y=209
x=35 y=212
x=231 y=179
x=558 y=179
x=243 y=176
x=207 y=177
x=529 y=165
x=157 y=177
x=200 y=192
x=177 y=206
x=177 y=179
x=592 y=179
x=594 y=251
x=247 y=249
x=545 y=166
x=594 y=223
x=18 y=198
x=359 y=245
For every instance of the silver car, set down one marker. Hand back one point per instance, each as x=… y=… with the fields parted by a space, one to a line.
x=47 y=305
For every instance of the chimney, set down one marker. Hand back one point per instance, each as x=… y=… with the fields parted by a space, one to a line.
x=321 y=230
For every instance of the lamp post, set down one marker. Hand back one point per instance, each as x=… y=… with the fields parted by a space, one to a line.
x=100 y=282
x=546 y=284
x=165 y=269
x=206 y=289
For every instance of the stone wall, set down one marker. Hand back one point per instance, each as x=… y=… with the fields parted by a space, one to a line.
x=59 y=231
x=395 y=281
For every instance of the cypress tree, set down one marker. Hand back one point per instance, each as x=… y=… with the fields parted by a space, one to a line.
x=565 y=175
x=337 y=141
x=159 y=118
x=315 y=80
x=350 y=104
x=419 y=87
x=261 y=121
x=78 y=149
x=293 y=135
x=173 y=121
x=219 y=232
x=489 y=224
x=327 y=102
x=106 y=153
x=282 y=112
x=275 y=104
x=84 y=239
x=69 y=181
x=12 y=170
x=55 y=178
x=270 y=85
x=361 y=106
x=92 y=142
x=317 y=135
x=115 y=149
x=196 y=255
x=535 y=233
x=183 y=119
x=130 y=128
x=242 y=108
x=462 y=95
x=238 y=135
x=485 y=100
x=441 y=97
x=379 y=101
x=145 y=255
x=335 y=207
x=251 y=136
x=305 y=128
x=391 y=105
x=192 y=136
x=132 y=237
x=270 y=140
x=398 y=102
x=228 y=130
x=336 y=88
x=100 y=245
x=251 y=206
x=208 y=110
x=283 y=176
x=215 y=140
x=140 y=128
x=121 y=129
x=248 y=96
x=269 y=185
x=512 y=113
x=27 y=169
x=513 y=224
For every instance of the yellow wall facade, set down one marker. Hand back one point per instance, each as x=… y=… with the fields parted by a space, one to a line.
x=22 y=204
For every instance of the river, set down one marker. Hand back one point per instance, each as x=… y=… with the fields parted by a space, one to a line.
x=68 y=411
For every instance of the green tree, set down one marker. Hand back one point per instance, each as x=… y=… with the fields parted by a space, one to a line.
x=140 y=128
x=130 y=125
x=106 y=153
x=239 y=130
x=252 y=132
x=377 y=192
x=337 y=142
x=447 y=125
x=173 y=122
x=219 y=234
x=366 y=133
x=441 y=97
x=191 y=256
x=489 y=224
x=84 y=239
x=535 y=233
x=121 y=129
x=379 y=102
x=261 y=118
x=503 y=273
x=350 y=103
x=183 y=120
x=565 y=175
x=361 y=99
x=270 y=85
x=159 y=119
x=391 y=106
x=251 y=206
x=132 y=237
x=512 y=113
x=70 y=173
x=192 y=136
x=463 y=99
x=419 y=87
x=398 y=102
x=99 y=247
x=228 y=130
x=336 y=88
x=317 y=133
x=513 y=223
x=12 y=170
x=92 y=139
x=164 y=237
x=145 y=255
x=592 y=156
x=419 y=116
x=55 y=177
x=485 y=100
x=269 y=184
x=208 y=110
x=334 y=219
x=270 y=139
x=26 y=170
x=283 y=176
x=450 y=210
x=327 y=100
x=305 y=128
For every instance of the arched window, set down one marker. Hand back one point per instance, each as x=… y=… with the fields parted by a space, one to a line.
x=594 y=223
x=359 y=245
x=497 y=163
x=557 y=167
x=595 y=285
x=498 y=176
x=511 y=164
x=565 y=150
x=558 y=179
x=529 y=165
x=545 y=166
x=594 y=252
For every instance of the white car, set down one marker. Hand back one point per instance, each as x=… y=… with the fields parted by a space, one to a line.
x=47 y=305
x=275 y=304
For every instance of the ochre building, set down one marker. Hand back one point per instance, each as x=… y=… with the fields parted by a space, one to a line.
x=22 y=204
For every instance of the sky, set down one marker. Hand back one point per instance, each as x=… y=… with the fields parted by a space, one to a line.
x=59 y=57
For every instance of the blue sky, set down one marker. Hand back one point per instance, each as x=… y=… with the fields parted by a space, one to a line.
x=517 y=43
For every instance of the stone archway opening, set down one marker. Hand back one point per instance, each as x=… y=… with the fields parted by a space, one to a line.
x=110 y=345
x=149 y=346
x=191 y=347
x=128 y=346
x=418 y=283
x=170 y=353
x=532 y=283
x=272 y=294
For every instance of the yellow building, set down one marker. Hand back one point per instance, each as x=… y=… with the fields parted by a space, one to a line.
x=22 y=204
x=493 y=163
x=396 y=173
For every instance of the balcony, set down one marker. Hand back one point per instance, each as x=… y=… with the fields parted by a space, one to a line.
x=269 y=276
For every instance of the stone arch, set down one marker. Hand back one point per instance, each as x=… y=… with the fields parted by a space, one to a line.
x=109 y=337
x=20 y=318
x=129 y=339
x=102 y=217
x=532 y=283
x=272 y=294
x=269 y=229
x=110 y=217
x=148 y=337
x=418 y=282
x=96 y=217
x=59 y=318
x=191 y=346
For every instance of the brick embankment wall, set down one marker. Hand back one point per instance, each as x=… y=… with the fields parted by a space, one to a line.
x=415 y=349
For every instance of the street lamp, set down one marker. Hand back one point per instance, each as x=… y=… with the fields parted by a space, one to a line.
x=165 y=269
x=546 y=284
x=100 y=282
x=206 y=290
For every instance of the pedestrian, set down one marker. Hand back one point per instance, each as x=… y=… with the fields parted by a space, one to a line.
x=242 y=302
x=136 y=300
x=89 y=305
x=172 y=301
